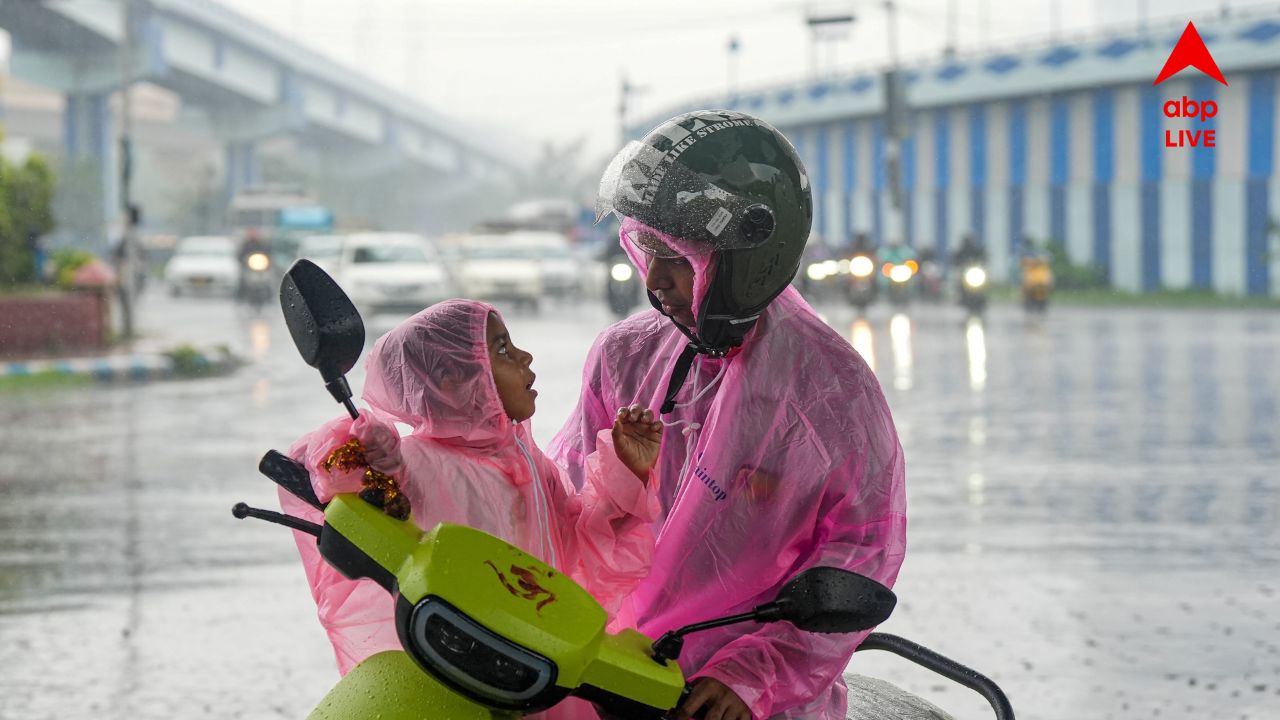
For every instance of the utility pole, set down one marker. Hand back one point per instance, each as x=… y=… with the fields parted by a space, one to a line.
x=626 y=92
x=731 y=81
x=949 y=50
x=896 y=125
x=129 y=254
x=830 y=26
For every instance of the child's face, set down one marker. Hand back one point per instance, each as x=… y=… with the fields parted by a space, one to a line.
x=511 y=373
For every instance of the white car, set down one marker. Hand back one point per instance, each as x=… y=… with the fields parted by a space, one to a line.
x=491 y=267
x=204 y=264
x=391 y=272
x=561 y=269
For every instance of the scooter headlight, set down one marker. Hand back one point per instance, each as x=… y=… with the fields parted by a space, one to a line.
x=975 y=277
x=474 y=660
x=621 y=272
x=258 y=262
x=861 y=266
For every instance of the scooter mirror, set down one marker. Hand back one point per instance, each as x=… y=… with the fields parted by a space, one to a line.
x=831 y=600
x=325 y=325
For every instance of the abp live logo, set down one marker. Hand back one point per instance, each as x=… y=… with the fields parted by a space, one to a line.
x=1190 y=52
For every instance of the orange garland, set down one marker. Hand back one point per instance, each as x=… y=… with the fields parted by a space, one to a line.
x=379 y=489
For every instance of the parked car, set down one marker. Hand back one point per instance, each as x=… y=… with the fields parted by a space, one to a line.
x=391 y=272
x=203 y=264
x=492 y=267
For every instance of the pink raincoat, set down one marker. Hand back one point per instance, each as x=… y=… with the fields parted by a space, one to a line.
x=790 y=460
x=466 y=462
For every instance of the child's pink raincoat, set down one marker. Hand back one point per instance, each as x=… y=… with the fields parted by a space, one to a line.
x=467 y=463
x=794 y=462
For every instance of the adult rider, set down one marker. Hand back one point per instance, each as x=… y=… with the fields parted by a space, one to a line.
x=785 y=455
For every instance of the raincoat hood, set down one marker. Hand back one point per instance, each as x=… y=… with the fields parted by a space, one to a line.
x=432 y=373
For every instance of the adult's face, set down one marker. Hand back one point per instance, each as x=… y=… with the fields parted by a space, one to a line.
x=671 y=280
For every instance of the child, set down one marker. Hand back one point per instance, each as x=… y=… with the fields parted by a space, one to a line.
x=453 y=374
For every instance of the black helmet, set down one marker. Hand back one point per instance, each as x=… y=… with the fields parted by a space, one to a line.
x=731 y=183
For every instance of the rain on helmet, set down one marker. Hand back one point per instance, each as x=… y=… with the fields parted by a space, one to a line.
x=722 y=182
x=727 y=182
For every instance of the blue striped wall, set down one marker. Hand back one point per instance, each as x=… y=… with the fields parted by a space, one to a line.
x=1262 y=114
x=1202 y=166
x=1126 y=182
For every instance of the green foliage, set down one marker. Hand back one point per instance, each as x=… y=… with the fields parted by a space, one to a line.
x=1070 y=276
x=188 y=361
x=65 y=264
x=26 y=213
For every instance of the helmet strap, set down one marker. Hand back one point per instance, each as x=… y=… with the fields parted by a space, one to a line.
x=678 y=375
x=680 y=372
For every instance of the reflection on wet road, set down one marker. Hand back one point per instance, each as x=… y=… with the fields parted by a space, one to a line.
x=1094 y=500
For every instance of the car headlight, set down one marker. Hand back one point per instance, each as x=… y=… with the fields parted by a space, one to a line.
x=621 y=272
x=816 y=271
x=975 y=277
x=861 y=266
x=477 y=662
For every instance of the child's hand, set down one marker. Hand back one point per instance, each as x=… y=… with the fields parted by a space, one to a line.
x=637 y=439
x=381 y=445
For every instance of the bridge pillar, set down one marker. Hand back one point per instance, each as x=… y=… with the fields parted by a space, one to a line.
x=242 y=170
x=89 y=150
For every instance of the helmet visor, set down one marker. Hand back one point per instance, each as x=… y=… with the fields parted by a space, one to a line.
x=653 y=187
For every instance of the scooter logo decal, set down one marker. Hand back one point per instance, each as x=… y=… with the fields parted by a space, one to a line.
x=527 y=585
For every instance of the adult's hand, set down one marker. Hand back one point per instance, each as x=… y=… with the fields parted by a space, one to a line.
x=716 y=699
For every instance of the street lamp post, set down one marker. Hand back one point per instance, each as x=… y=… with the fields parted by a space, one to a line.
x=129 y=254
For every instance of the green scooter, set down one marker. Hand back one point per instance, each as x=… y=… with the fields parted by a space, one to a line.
x=489 y=631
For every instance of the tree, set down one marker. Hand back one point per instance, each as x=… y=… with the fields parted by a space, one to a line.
x=26 y=213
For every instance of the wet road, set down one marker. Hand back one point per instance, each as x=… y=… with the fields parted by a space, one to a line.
x=1093 y=516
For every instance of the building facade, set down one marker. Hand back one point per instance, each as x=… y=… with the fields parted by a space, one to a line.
x=1066 y=142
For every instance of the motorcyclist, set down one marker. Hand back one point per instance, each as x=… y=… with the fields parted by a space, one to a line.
x=789 y=456
x=861 y=245
x=251 y=244
x=969 y=252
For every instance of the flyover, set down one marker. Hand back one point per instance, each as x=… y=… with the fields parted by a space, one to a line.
x=237 y=81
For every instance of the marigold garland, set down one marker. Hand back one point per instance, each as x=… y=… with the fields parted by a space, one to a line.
x=378 y=489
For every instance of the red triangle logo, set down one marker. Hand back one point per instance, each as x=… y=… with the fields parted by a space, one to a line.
x=1190 y=52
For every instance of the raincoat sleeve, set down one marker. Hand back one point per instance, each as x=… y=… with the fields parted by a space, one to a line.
x=608 y=525
x=861 y=527
x=358 y=615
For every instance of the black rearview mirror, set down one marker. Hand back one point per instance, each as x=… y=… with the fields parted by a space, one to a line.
x=830 y=600
x=820 y=599
x=325 y=325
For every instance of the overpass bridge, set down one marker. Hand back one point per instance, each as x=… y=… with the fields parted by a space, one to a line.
x=239 y=83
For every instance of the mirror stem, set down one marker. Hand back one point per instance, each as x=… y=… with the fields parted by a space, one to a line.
x=341 y=391
x=668 y=646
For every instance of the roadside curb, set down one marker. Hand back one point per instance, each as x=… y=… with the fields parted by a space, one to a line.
x=139 y=367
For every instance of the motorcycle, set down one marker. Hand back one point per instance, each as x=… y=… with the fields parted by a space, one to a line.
x=862 y=288
x=900 y=281
x=622 y=288
x=931 y=281
x=1037 y=283
x=256 y=286
x=973 y=288
x=489 y=631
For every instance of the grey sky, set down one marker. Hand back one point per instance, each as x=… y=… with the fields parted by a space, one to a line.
x=551 y=68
